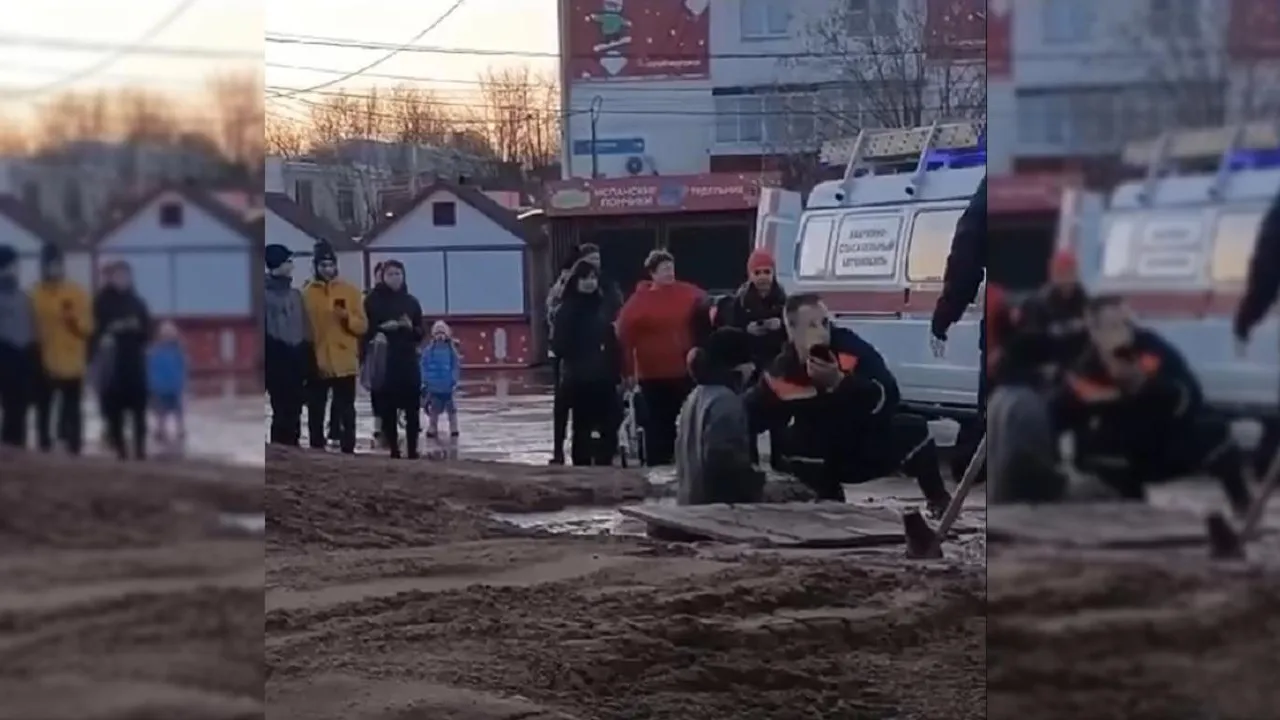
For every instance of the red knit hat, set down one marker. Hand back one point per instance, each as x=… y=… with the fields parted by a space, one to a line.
x=760 y=259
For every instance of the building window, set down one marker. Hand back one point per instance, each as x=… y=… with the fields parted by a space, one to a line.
x=1068 y=22
x=303 y=194
x=73 y=204
x=444 y=214
x=774 y=119
x=171 y=215
x=872 y=18
x=347 y=206
x=762 y=19
x=1176 y=19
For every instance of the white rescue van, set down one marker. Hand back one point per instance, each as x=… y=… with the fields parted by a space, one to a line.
x=1177 y=246
x=874 y=245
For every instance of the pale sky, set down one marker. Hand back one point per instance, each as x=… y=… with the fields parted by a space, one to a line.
x=229 y=26
x=516 y=26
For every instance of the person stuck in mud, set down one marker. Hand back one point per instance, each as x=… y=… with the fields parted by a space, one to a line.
x=123 y=330
x=335 y=311
x=441 y=374
x=656 y=330
x=758 y=308
x=395 y=318
x=288 y=353
x=838 y=400
x=590 y=369
x=1137 y=413
x=17 y=352
x=64 y=324
x=713 y=437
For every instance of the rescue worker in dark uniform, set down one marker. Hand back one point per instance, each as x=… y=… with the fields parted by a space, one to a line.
x=395 y=317
x=758 y=309
x=287 y=350
x=966 y=268
x=838 y=400
x=1261 y=291
x=1137 y=412
x=17 y=352
x=122 y=336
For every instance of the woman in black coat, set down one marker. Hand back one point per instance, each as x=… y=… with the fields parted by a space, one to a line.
x=122 y=334
x=395 y=318
x=590 y=369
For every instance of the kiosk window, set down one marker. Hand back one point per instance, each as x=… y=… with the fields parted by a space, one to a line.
x=1233 y=239
x=815 y=248
x=931 y=235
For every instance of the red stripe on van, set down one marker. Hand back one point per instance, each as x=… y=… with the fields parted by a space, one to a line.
x=1166 y=304
x=880 y=301
x=1225 y=303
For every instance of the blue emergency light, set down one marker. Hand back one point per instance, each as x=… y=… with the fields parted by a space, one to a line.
x=1254 y=160
x=956 y=159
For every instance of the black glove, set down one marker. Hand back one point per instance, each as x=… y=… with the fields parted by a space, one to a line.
x=939 y=326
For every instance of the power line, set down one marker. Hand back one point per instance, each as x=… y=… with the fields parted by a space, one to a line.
x=396 y=51
x=90 y=46
x=110 y=59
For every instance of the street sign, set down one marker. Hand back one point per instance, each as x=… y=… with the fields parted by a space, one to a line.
x=610 y=146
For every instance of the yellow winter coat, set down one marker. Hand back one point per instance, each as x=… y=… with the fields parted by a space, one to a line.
x=64 y=323
x=337 y=341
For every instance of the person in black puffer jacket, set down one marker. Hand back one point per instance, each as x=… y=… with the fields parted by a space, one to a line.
x=122 y=333
x=395 y=317
x=590 y=366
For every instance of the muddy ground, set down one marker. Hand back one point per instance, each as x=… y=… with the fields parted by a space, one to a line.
x=392 y=594
x=123 y=593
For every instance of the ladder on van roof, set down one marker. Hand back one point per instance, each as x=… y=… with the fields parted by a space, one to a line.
x=1159 y=155
x=895 y=146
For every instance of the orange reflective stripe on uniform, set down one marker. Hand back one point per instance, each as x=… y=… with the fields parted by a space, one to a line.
x=787 y=390
x=847 y=363
x=1091 y=390
x=1150 y=364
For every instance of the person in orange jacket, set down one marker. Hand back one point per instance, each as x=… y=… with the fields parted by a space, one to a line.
x=64 y=323
x=656 y=332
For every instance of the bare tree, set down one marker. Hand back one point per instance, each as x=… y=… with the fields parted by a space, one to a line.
x=284 y=137
x=519 y=115
x=888 y=69
x=1195 y=75
x=417 y=117
x=14 y=139
x=237 y=105
x=74 y=116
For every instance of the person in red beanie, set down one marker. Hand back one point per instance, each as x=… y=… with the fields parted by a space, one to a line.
x=656 y=330
x=1058 y=311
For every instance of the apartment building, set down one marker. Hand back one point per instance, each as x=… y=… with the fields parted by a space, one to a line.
x=686 y=87
x=1076 y=79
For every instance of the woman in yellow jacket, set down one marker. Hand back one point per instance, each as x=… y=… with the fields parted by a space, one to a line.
x=64 y=323
x=335 y=309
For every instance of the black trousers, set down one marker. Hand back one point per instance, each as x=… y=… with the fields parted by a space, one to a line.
x=341 y=392
x=65 y=398
x=596 y=415
x=662 y=402
x=560 y=405
x=126 y=405
x=16 y=376
x=390 y=405
x=835 y=456
x=287 y=396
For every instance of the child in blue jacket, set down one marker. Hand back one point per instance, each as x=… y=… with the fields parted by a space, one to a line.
x=167 y=381
x=441 y=372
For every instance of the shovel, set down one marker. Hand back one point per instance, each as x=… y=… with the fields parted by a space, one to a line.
x=1228 y=544
x=925 y=543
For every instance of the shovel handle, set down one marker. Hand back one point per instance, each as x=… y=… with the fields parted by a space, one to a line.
x=962 y=491
x=1270 y=482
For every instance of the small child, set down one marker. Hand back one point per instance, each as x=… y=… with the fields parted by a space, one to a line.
x=441 y=372
x=167 y=381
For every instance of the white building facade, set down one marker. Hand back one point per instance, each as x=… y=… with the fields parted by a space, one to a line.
x=684 y=87
x=1079 y=78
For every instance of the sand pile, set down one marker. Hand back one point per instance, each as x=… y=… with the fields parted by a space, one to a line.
x=122 y=597
x=1126 y=638
x=329 y=500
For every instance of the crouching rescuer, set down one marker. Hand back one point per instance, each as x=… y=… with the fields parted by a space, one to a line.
x=838 y=402
x=713 y=432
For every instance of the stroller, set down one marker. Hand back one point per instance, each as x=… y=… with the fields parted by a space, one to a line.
x=631 y=429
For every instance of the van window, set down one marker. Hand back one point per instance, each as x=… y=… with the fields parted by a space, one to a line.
x=931 y=235
x=867 y=246
x=814 y=247
x=1234 y=236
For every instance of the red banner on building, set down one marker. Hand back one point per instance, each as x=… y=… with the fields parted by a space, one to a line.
x=999 y=39
x=1254 y=31
x=648 y=195
x=955 y=30
x=637 y=39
